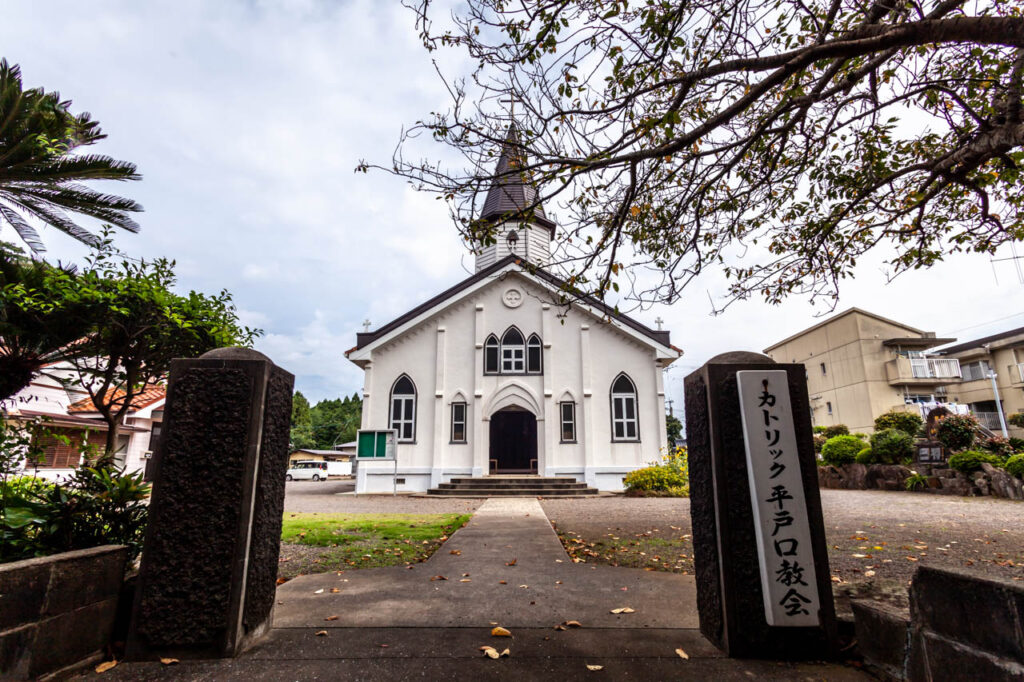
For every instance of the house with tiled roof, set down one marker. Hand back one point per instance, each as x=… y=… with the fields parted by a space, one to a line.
x=512 y=371
x=73 y=425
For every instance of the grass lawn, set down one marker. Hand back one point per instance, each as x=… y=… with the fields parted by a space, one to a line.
x=642 y=550
x=320 y=543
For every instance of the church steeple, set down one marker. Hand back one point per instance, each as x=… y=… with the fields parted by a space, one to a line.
x=512 y=192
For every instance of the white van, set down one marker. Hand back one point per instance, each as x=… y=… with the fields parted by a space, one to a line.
x=307 y=471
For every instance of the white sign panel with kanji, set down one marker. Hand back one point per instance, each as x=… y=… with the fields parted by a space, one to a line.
x=788 y=580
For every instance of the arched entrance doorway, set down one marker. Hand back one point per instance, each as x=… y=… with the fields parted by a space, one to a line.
x=513 y=442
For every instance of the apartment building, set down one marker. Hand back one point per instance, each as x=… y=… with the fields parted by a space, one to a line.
x=1002 y=354
x=860 y=365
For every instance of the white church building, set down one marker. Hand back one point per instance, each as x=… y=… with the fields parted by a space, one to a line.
x=496 y=376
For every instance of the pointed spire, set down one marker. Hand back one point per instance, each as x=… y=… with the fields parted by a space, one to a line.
x=511 y=192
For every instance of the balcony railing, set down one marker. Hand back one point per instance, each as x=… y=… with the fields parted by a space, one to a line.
x=931 y=368
x=990 y=420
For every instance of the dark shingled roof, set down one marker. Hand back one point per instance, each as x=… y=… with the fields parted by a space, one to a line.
x=512 y=191
x=365 y=338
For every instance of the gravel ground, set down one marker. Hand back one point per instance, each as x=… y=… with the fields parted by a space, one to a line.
x=323 y=497
x=876 y=539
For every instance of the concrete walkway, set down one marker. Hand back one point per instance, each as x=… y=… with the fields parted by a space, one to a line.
x=508 y=568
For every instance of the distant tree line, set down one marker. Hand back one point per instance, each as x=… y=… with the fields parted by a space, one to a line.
x=325 y=424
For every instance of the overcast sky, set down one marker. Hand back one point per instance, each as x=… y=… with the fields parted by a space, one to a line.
x=246 y=119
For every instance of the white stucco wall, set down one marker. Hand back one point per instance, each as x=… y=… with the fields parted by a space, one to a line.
x=583 y=355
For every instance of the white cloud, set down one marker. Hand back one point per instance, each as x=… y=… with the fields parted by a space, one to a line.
x=247 y=118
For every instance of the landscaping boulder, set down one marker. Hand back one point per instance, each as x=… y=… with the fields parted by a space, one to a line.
x=830 y=477
x=856 y=475
x=957 y=485
x=1002 y=484
x=886 y=477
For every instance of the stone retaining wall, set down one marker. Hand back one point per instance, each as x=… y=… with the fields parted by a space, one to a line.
x=58 y=611
x=960 y=627
x=940 y=480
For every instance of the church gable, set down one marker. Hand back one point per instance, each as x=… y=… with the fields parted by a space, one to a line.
x=508 y=286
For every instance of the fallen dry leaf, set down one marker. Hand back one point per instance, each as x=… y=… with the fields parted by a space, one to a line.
x=524 y=586
x=572 y=624
x=503 y=582
x=169 y=661
x=623 y=609
x=105 y=666
x=511 y=563
x=595 y=667
x=490 y=652
x=439 y=577
x=506 y=652
x=682 y=654
x=331 y=618
x=321 y=633
x=456 y=552
x=320 y=591
x=335 y=590
x=560 y=627
x=500 y=632
x=465 y=580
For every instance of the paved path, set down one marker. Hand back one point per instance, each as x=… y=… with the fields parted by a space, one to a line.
x=396 y=623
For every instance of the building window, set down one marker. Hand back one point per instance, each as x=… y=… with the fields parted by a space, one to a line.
x=828 y=407
x=513 y=352
x=624 y=419
x=972 y=371
x=403 y=409
x=567 y=411
x=458 y=422
x=823 y=372
x=534 y=355
x=491 y=351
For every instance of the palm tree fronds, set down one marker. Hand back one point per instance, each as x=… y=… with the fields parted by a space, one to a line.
x=27 y=233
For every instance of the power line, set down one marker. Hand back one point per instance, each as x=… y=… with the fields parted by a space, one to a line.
x=982 y=324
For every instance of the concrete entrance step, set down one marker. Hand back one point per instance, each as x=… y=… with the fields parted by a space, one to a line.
x=511 y=486
x=512 y=492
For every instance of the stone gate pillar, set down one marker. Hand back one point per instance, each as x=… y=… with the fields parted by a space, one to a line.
x=744 y=551
x=209 y=565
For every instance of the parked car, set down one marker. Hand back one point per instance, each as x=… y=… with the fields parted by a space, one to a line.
x=307 y=471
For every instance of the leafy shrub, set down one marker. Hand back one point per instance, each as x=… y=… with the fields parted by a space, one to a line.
x=93 y=507
x=971 y=460
x=865 y=456
x=670 y=477
x=841 y=449
x=997 y=445
x=902 y=421
x=835 y=430
x=957 y=431
x=1015 y=466
x=818 y=429
x=892 y=446
x=915 y=481
x=1017 y=444
x=1016 y=419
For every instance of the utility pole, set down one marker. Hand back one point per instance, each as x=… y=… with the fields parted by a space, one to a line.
x=999 y=404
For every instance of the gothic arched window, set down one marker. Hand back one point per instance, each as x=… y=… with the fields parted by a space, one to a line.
x=534 y=355
x=624 y=412
x=403 y=409
x=492 y=350
x=513 y=352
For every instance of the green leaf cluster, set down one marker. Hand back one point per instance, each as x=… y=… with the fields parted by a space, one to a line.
x=91 y=508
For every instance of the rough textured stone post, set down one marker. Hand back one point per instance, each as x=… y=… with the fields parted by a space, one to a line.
x=209 y=564
x=729 y=593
